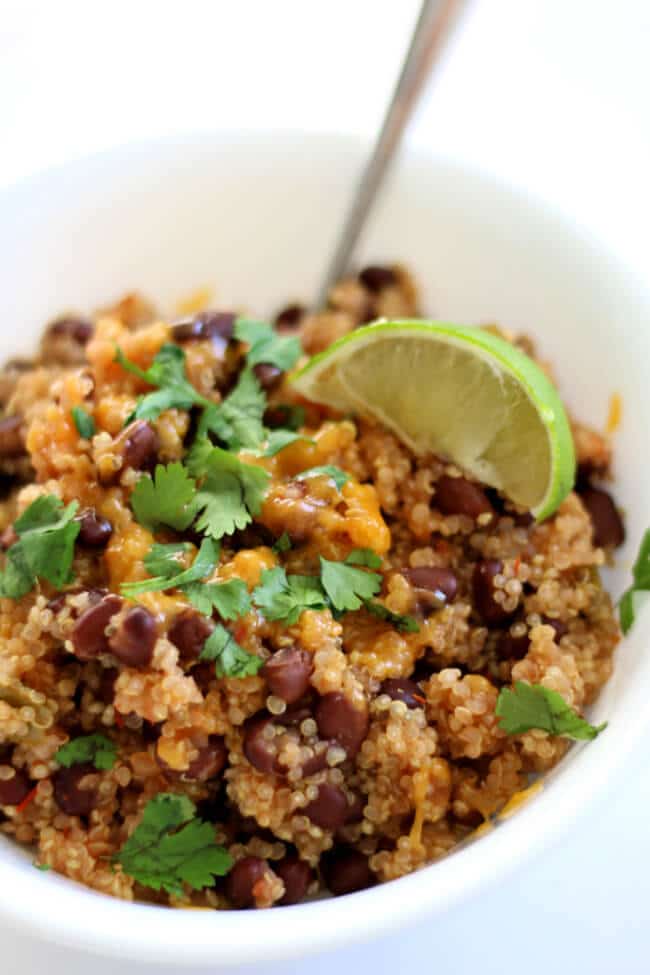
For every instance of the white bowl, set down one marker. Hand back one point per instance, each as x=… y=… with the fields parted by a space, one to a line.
x=255 y=215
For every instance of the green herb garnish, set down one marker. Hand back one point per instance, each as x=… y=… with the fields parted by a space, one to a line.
x=405 y=624
x=166 y=499
x=326 y=470
x=45 y=548
x=165 y=561
x=230 y=598
x=283 y=544
x=230 y=660
x=98 y=749
x=237 y=421
x=170 y=847
x=230 y=493
x=167 y=372
x=632 y=597
x=348 y=588
x=528 y=706
x=277 y=440
x=283 y=597
x=266 y=345
x=365 y=557
x=84 y=422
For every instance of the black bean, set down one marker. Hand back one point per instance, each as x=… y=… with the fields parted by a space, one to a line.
x=490 y=611
x=88 y=635
x=214 y=325
x=241 y=881
x=260 y=751
x=288 y=320
x=340 y=721
x=71 y=797
x=607 y=524
x=346 y=871
x=94 y=531
x=329 y=809
x=12 y=439
x=296 y=876
x=509 y=647
x=267 y=374
x=78 y=329
x=141 y=444
x=287 y=673
x=208 y=764
x=560 y=627
x=458 y=496
x=441 y=583
x=317 y=761
x=402 y=689
x=135 y=637
x=375 y=277
x=15 y=790
x=188 y=632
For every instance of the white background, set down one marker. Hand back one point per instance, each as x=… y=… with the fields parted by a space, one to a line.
x=552 y=95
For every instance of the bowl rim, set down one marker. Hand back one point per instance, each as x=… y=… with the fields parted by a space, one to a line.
x=77 y=917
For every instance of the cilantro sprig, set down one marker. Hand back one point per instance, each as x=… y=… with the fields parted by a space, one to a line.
x=97 y=748
x=237 y=421
x=84 y=422
x=170 y=847
x=169 y=498
x=283 y=597
x=326 y=470
x=633 y=596
x=528 y=706
x=45 y=548
x=230 y=493
x=266 y=345
x=168 y=572
x=230 y=659
x=347 y=588
x=167 y=372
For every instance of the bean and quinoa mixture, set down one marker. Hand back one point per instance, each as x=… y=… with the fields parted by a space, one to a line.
x=252 y=650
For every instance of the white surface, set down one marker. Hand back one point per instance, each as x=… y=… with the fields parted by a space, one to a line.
x=549 y=94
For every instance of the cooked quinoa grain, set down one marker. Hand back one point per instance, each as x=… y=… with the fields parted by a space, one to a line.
x=319 y=732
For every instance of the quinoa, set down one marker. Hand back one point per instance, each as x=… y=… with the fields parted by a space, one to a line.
x=359 y=752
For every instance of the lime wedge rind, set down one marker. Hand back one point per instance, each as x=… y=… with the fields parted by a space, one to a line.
x=491 y=369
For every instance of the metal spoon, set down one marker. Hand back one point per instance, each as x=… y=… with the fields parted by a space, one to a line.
x=428 y=40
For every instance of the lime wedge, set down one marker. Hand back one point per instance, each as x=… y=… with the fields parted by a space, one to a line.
x=461 y=393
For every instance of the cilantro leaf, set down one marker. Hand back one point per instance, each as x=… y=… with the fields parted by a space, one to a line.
x=167 y=371
x=632 y=597
x=277 y=440
x=167 y=560
x=98 y=749
x=167 y=499
x=348 y=588
x=326 y=470
x=231 y=492
x=529 y=706
x=45 y=548
x=405 y=624
x=169 y=848
x=365 y=557
x=230 y=660
x=84 y=422
x=266 y=345
x=283 y=597
x=165 y=557
x=237 y=421
x=283 y=544
x=230 y=599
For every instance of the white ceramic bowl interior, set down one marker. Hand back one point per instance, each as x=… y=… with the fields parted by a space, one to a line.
x=254 y=216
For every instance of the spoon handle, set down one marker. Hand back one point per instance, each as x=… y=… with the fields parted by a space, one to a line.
x=430 y=34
